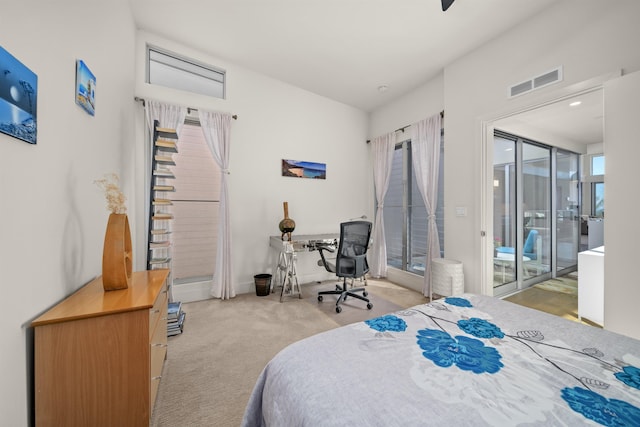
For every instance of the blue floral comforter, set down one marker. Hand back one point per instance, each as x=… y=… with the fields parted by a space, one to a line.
x=461 y=361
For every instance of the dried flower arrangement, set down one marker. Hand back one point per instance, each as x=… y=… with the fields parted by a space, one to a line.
x=115 y=198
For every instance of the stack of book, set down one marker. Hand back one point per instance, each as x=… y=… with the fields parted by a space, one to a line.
x=175 y=318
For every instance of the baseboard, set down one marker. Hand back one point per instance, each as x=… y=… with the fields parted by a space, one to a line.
x=198 y=291
x=303 y=279
x=406 y=279
x=194 y=291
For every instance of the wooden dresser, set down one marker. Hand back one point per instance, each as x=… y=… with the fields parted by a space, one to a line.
x=99 y=354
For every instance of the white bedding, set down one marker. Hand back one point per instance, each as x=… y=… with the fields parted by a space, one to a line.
x=462 y=361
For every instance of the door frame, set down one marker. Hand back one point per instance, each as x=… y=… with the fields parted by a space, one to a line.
x=486 y=127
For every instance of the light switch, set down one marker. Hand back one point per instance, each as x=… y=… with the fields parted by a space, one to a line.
x=461 y=211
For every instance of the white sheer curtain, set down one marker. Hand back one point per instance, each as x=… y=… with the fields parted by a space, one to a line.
x=217 y=132
x=383 y=147
x=169 y=116
x=425 y=151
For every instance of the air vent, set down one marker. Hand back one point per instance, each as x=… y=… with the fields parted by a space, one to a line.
x=547 y=78
x=536 y=82
x=521 y=88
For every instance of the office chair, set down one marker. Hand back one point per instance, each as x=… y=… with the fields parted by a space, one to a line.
x=350 y=262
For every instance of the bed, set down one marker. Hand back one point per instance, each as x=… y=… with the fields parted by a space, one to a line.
x=461 y=361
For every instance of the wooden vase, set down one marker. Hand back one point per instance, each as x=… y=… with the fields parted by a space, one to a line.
x=287 y=225
x=117 y=258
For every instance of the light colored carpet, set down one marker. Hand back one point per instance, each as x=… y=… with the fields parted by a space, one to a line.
x=385 y=297
x=212 y=366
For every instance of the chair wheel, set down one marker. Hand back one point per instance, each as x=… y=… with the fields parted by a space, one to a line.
x=369 y=306
x=319 y=298
x=338 y=309
x=365 y=293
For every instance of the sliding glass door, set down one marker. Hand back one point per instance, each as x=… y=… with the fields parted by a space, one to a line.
x=504 y=214
x=567 y=211
x=536 y=210
x=535 y=205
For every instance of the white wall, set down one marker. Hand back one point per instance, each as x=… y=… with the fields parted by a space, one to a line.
x=423 y=102
x=621 y=291
x=52 y=216
x=276 y=121
x=589 y=38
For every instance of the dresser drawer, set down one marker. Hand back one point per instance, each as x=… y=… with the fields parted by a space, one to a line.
x=157 y=343
x=158 y=312
x=158 y=352
x=158 y=339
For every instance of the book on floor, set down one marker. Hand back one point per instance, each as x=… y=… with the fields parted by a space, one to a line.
x=176 y=327
x=174 y=310
x=175 y=318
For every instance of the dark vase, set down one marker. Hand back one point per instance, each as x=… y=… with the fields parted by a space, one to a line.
x=287 y=225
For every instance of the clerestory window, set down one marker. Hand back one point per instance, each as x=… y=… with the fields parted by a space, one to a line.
x=170 y=70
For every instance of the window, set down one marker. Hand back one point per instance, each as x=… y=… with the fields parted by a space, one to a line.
x=195 y=207
x=597 y=199
x=597 y=165
x=405 y=214
x=170 y=70
x=597 y=185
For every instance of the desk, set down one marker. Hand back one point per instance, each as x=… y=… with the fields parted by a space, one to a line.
x=285 y=269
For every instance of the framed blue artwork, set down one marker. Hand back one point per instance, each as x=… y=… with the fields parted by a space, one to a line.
x=301 y=169
x=18 y=99
x=85 y=88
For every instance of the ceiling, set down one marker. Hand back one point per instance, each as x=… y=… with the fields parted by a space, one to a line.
x=580 y=124
x=346 y=49
x=341 y=49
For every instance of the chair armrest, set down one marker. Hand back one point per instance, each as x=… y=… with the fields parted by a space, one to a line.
x=325 y=247
x=323 y=261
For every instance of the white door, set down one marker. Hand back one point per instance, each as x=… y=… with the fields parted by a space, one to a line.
x=622 y=205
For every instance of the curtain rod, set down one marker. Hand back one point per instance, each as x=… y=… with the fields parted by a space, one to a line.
x=136 y=98
x=404 y=127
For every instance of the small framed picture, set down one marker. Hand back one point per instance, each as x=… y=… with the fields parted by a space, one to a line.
x=85 y=88
x=301 y=169
x=18 y=99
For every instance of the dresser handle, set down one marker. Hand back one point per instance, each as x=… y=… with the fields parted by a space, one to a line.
x=156 y=311
x=158 y=344
x=156 y=378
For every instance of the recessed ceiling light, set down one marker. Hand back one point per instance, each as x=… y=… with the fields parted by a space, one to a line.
x=575 y=103
x=382 y=88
